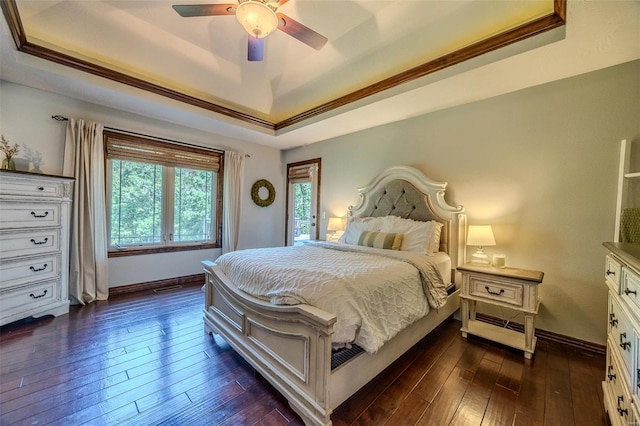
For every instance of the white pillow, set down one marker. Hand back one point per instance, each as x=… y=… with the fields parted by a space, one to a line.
x=419 y=237
x=358 y=225
x=436 y=230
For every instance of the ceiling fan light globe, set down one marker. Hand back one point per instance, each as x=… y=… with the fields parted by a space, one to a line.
x=258 y=19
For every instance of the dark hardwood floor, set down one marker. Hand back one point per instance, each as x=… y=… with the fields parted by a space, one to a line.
x=143 y=359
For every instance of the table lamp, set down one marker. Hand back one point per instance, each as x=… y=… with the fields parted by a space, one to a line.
x=480 y=236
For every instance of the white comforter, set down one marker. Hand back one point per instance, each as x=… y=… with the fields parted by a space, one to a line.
x=373 y=293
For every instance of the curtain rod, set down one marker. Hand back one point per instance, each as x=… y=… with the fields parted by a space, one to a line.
x=63 y=118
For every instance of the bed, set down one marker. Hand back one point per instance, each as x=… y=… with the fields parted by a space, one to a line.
x=292 y=346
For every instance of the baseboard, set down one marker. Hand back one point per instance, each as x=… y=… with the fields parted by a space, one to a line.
x=549 y=336
x=185 y=281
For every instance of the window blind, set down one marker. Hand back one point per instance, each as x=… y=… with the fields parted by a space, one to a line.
x=302 y=173
x=122 y=146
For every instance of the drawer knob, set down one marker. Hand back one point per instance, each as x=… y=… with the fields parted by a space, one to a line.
x=628 y=292
x=34 y=214
x=38 y=297
x=41 y=188
x=40 y=242
x=611 y=272
x=495 y=293
x=624 y=345
x=612 y=320
x=38 y=269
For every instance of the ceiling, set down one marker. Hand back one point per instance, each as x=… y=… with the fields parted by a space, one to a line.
x=141 y=56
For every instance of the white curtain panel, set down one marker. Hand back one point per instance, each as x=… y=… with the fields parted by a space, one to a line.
x=84 y=161
x=232 y=199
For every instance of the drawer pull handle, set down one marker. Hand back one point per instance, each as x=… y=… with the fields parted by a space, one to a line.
x=41 y=188
x=34 y=214
x=612 y=320
x=38 y=269
x=610 y=272
x=612 y=376
x=624 y=345
x=495 y=293
x=628 y=292
x=622 y=411
x=38 y=297
x=40 y=242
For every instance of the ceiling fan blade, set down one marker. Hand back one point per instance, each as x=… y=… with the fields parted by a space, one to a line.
x=305 y=34
x=281 y=2
x=190 y=10
x=255 y=48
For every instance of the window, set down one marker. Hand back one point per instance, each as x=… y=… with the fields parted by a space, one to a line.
x=161 y=196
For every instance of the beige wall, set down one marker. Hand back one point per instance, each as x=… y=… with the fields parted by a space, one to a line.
x=539 y=165
x=25 y=118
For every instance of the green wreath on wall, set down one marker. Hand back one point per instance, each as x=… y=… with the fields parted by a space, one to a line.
x=255 y=193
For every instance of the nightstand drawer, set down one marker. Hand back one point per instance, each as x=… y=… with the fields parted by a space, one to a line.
x=495 y=290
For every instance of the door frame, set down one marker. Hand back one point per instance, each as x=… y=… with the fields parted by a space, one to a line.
x=318 y=163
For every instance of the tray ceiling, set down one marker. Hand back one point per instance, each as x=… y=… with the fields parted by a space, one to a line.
x=374 y=46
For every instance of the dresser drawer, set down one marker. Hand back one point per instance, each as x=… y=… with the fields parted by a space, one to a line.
x=630 y=287
x=481 y=287
x=26 y=243
x=617 y=398
x=17 y=272
x=29 y=215
x=621 y=334
x=612 y=273
x=25 y=299
x=29 y=187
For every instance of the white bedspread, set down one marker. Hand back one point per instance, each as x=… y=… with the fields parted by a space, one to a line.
x=373 y=293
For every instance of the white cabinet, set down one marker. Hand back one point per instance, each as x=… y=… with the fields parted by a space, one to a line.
x=622 y=376
x=34 y=245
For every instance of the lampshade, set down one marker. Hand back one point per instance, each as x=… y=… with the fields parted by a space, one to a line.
x=257 y=18
x=480 y=235
x=335 y=224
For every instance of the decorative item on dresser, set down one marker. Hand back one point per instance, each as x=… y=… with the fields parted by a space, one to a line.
x=622 y=376
x=34 y=245
x=511 y=288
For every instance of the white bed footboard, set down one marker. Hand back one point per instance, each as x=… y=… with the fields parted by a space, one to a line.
x=290 y=346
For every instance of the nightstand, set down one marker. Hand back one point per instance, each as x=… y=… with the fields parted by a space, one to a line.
x=512 y=288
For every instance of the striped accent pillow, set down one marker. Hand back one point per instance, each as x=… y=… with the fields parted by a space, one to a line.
x=381 y=240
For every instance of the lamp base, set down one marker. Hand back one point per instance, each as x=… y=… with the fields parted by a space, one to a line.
x=479 y=257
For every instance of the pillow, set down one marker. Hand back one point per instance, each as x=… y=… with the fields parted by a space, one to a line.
x=434 y=242
x=419 y=237
x=380 y=240
x=357 y=225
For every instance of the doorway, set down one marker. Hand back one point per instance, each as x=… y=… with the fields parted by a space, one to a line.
x=303 y=201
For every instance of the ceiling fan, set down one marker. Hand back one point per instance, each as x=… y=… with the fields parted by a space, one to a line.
x=259 y=18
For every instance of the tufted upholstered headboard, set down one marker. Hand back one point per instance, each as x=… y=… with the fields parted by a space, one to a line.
x=406 y=192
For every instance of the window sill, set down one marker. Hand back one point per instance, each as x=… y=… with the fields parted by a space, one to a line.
x=155 y=250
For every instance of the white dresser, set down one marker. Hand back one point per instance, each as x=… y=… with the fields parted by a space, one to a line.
x=622 y=377
x=34 y=245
